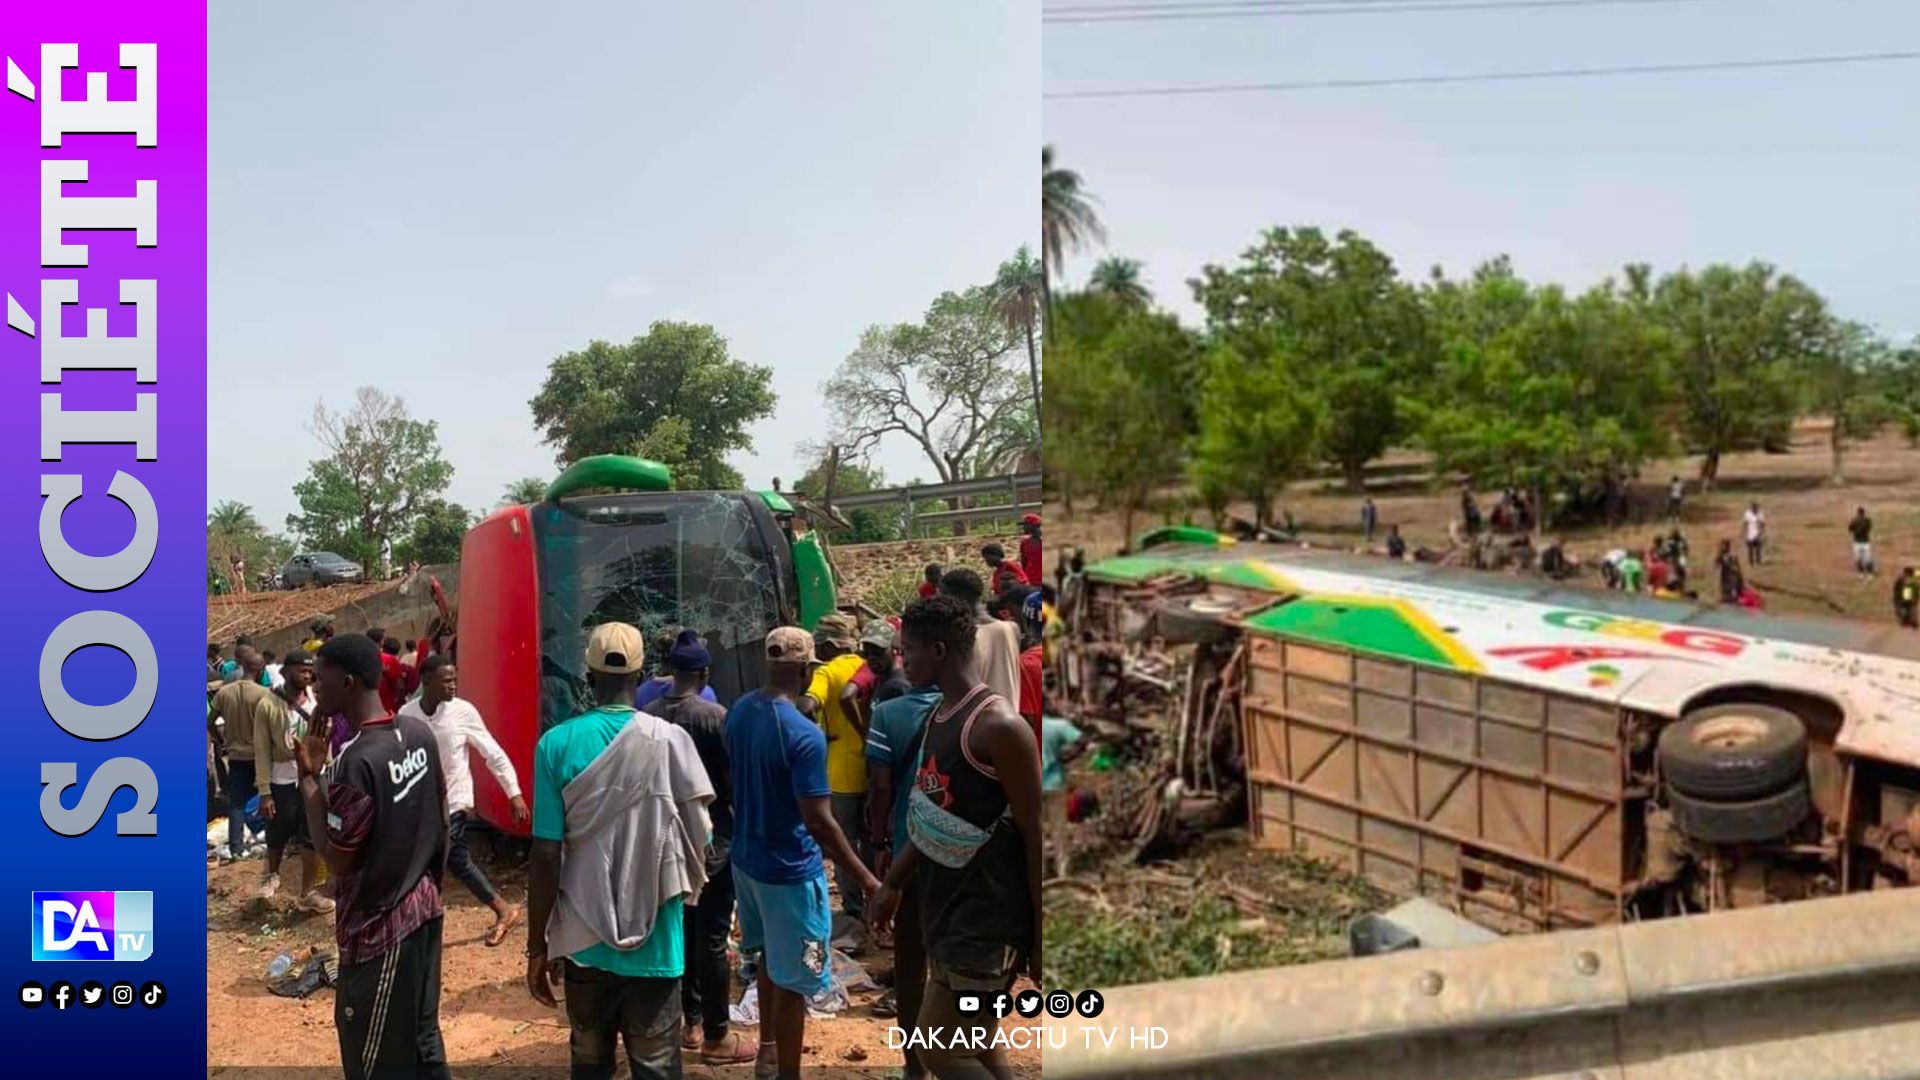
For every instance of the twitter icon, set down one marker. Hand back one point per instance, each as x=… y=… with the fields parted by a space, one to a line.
x=1027 y=1003
x=92 y=994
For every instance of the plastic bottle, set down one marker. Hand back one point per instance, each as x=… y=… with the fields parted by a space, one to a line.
x=280 y=966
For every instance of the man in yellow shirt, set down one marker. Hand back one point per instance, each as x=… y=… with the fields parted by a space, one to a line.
x=837 y=702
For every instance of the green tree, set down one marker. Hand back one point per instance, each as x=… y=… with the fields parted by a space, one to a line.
x=1113 y=433
x=1017 y=295
x=1338 y=309
x=607 y=399
x=1258 y=427
x=382 y=468
x=1850 y=376
x=869 y=525
x=1742 y=336
x=669 y=441
x=1537 y=391
x=1120 y=279
x=524 y=492
x=233 y=533
x=438 y=529
x=1067 y=221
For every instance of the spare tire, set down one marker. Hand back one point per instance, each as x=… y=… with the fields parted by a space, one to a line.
x=1733 y=752
x=1748 y=821
x=1192 y=620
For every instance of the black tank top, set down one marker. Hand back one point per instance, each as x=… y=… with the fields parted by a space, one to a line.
x=949 y=774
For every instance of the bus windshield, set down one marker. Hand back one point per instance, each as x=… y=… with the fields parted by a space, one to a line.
x=693 y=561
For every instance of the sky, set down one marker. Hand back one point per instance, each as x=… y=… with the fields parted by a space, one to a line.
x=1815 y=169
x=439 y=199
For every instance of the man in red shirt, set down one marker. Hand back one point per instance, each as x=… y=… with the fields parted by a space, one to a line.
x=931 y=584
x=1030 y=549
x=1003 y=575
x=393 y=674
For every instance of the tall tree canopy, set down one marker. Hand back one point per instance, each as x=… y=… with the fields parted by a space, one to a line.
x=1120 y=279
x=1068 y=221
x=949 y=383
x=608 y=399
x=437 y=531
x=234 y=533
x=524 y=491
x=381 y=469
x=1742 y=335
x=1017 y=296
x=1113 y=433
x=1337 y=309
x=1258 y=425
x=1536 y=390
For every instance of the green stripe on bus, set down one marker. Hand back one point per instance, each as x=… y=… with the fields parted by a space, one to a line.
x=1361 y=627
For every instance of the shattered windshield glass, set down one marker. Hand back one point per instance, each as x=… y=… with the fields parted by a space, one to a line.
x=692 y=561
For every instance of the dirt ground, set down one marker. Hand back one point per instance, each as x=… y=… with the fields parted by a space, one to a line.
x=486 y=1016
x=1809 y=565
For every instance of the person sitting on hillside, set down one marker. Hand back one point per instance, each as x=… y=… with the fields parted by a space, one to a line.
x=1553 y=561
x=1396 y=544
x=1003 y=574
x=1906 y=597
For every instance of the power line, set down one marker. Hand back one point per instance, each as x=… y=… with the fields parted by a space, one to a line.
x=1488 y=76
x=1242 y=9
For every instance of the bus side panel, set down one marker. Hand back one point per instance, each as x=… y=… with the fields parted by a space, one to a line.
x=500 y=652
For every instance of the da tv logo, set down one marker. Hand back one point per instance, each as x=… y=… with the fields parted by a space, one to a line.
x=92 y=925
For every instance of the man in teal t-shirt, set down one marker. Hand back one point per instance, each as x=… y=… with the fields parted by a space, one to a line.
x=611 y=993
x=1060 y=742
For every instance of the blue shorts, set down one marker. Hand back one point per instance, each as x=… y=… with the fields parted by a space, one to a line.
x=788 y=928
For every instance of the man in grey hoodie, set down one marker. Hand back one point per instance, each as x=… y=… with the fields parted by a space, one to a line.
x=620 y=832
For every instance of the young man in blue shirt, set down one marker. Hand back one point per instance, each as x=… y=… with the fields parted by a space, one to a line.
x=782 y=820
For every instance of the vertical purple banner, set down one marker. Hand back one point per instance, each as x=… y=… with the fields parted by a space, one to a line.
x=103 y=260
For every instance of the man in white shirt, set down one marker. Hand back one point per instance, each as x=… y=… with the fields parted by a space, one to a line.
x=456 y=727
x=1755 y=524
x=996 y=642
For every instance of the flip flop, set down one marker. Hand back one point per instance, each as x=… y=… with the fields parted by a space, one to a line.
x=690 y=1036
x=734 y=1051
x=498 y=932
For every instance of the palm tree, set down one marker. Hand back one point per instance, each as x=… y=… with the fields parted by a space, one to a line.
x=1120 y=279
x=1017 y=292
x=1067 y=222
x=233 y=533
x=524 y=492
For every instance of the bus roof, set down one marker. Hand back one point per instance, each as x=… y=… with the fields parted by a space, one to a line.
x=1253 y=565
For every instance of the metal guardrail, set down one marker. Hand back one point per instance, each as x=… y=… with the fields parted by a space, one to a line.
x=1816 y=990
x=978 y=513
x=906 y=497
x=986 y=485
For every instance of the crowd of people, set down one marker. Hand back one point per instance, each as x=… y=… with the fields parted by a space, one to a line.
x=907 y=752
x=1663 y=568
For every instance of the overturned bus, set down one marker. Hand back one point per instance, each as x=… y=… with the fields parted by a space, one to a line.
x=612 y=542
x=1533 y=755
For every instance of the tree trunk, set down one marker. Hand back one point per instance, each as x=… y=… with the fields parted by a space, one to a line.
x=1709 y=469
x=1540 y=510
x=1356 y=472
x=1126 y=527
x=1838 y=446
x=1033 y=374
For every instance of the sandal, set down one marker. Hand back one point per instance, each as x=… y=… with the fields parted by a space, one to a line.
x=690 y=1035
x=766 y=1062
x=732 y=1050
x=497 y=933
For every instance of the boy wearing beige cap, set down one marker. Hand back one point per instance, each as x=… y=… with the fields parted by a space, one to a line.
x=620 y=831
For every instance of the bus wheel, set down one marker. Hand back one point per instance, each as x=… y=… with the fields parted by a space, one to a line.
x=1733 y=752
x=1748 y=821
